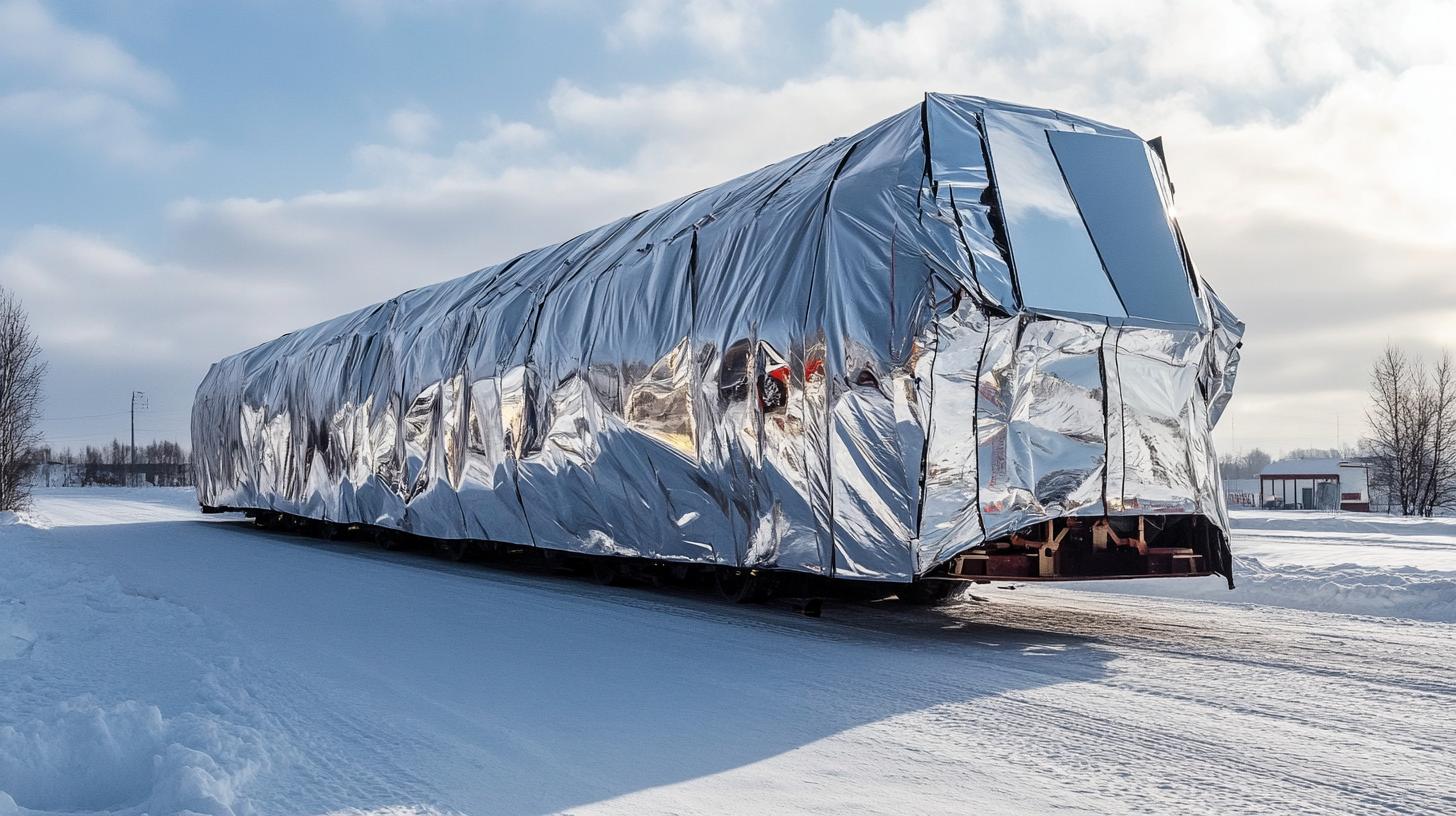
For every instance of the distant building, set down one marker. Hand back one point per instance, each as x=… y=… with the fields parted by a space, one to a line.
x=1315 y=484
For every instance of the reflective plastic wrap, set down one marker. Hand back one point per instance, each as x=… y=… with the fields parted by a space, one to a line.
x=856 y=363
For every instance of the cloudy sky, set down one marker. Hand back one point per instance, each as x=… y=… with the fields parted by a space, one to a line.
x=179 y=181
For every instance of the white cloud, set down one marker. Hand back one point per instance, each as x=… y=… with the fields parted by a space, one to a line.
x=1045 y=51
x=90 y=297
x=513 y=135
x=702 y=132
x=412 y=126
x=722 y=27
x=641 y=21
x=81 y=87
x=355 y=247
x=32 y=39
x=1361 y=158
x=503 y=143
x=104 y=124
x=110 y=320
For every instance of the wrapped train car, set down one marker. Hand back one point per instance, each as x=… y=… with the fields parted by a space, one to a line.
x=965 y=343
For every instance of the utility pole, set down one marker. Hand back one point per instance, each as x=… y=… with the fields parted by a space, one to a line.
x=136 y=397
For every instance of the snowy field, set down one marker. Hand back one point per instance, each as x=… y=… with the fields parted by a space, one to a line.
x=1355 y=563
x=156 y=661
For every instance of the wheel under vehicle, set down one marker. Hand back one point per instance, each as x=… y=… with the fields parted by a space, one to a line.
x=926 y=592
x=742 y=586
x=453 y=549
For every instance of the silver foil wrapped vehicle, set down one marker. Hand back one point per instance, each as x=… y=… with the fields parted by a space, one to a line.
x=967 y=342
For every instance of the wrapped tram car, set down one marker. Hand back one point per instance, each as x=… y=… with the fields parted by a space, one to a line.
x=966 y=343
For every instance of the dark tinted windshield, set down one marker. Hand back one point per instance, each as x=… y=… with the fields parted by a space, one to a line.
x=1056 y=265
x=1111 y=179
x=1088 y=228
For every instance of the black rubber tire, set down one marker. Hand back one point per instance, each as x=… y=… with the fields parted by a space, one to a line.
x=926 y=592
x=607 y=572
x=741 y=586
x=388 y=541
x=453 y=549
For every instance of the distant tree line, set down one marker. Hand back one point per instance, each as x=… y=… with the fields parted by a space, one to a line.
x=1250 y=465
x=158 y=462
x=1412 y=421
x=1245 y=466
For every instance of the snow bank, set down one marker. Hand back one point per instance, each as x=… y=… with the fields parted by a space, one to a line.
x=16 y=636
x=1346 y=525
x=109 y=506
x=125 y=758
x=1351 y=589
x=114 y=700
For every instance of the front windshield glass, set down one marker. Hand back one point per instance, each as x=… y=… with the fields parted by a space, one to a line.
x=1111 y=178
x=1088 y=226
x=1056 y=264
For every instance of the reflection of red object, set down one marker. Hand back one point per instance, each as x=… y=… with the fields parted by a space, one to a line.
x=815 y=366
x=773 y=389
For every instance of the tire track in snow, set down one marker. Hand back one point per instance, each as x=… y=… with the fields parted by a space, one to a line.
x=1250 y=705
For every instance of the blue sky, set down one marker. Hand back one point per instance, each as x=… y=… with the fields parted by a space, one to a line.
x=268 y=98
x=183 y=180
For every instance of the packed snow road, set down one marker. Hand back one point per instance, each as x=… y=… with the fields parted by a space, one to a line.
x=152 y=661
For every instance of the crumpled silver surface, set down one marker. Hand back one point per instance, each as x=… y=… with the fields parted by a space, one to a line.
x=857 y=363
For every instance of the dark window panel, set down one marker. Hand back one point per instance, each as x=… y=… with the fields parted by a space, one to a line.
x=1112 y=182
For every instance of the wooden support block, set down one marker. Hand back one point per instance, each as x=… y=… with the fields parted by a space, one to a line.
x=1046 y=561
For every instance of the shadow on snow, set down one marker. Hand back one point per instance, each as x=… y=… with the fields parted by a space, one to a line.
x=519 y=692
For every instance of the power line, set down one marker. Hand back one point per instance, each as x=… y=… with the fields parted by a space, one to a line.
x=113 y=414
x=87 y=416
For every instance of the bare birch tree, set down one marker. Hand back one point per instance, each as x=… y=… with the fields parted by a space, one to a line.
x=1412 y=419
x=1440 y=483
x=1390 y=385
x=21 y=373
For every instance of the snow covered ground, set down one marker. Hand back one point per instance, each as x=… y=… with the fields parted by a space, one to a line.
x=156 y=661
x=1356 y=563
